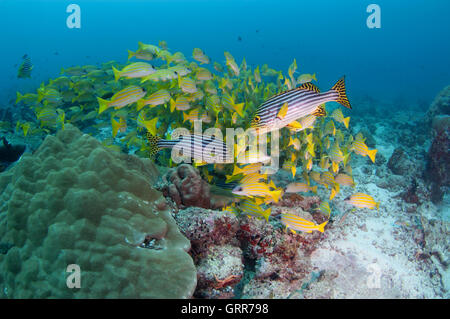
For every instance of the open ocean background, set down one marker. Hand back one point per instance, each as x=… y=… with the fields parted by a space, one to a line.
x=407 y=59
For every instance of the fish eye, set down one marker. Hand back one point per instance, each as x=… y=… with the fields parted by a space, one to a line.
x=257 y=118
x=240 y=189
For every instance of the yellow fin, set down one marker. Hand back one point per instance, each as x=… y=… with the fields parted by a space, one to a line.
x=151 y=125
x=140 y=104
x=294 y=125
x=283 y=111
x=19 y=97
x=239 y=108
x=346 y=121
x=115 y=127
x=371 y=154
x=320 y=111
x=333 y=193
x=321 y=227
x=103 y=105
x=267 y=213
x=117 y=74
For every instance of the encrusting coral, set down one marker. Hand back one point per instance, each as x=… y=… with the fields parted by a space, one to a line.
x=76 y=202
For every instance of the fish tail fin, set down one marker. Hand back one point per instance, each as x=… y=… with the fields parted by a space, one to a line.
x=115 y=127
x=272 y=184
x=131 y=54
x=321 y=227
x=346 y=121
x=314 y=77
x=332 y=194
x=276 y=195
x=314 y=189
x=320 y=111
x=40 y=95
x=185 y=117
x=266 y=213
x=117 y=74
x=339 y=87
x=372 y=154
x=377 y=204
x=291 y=141
x=151 y=125
x=62 y=71
x=153 y=143
x=140 y=104
x=103 y=105
x=19 y=97
x=236 y=170
x=346 y=158
x=239 y=108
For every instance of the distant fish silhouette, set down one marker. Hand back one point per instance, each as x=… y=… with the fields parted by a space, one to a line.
x=239 y=38
x=25 y=68
x=10 y=153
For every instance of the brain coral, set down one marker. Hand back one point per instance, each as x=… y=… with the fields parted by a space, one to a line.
x=76 y=202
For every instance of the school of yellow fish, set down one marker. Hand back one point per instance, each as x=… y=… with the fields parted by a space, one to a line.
x=140 y=99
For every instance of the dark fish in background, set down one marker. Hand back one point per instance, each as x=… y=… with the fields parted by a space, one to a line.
x=239 y=38
x=10 y=153
x=25 y=68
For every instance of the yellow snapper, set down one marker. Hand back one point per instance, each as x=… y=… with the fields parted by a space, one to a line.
x=122 y=98
x=339 y=117
x=300 y=187
x=157 y=98
x=181 y=104
x=305 y=78
x=203 y=74
x=187 y=85
x=160 y=75
x=200 y=56
x=296 y=223
x=362 y=200
x=134 y=70
x=344 y=179
x=359 y=147
x=252 y=189
x=250 y=208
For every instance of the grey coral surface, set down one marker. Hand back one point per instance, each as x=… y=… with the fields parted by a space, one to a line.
x=76 y=202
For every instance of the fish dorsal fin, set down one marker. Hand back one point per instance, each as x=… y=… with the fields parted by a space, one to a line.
x=309 y=87
x=278 y=94
x=320 y=111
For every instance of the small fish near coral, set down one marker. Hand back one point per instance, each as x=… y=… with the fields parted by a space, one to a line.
x=10 y=153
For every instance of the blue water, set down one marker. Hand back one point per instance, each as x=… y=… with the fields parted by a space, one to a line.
x=407 y=58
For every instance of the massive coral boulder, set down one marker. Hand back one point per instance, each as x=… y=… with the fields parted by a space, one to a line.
x=400 y=164
x=440 y=105
x=76 y=202
x=437 y=171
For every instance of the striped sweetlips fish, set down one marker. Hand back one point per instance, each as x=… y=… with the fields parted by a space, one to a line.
x=202 y=148
x=285 y=108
